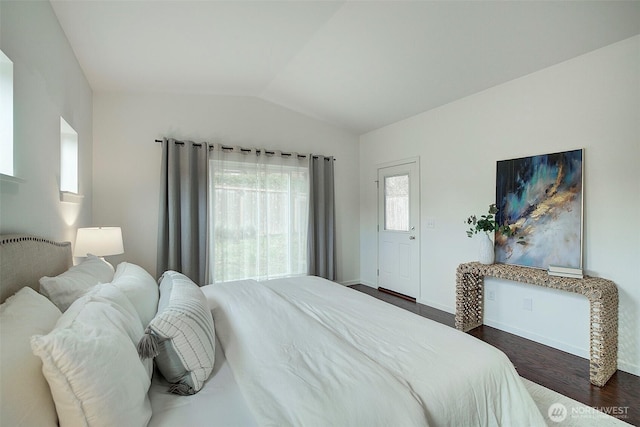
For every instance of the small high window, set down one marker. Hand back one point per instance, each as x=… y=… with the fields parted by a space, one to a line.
x=68 y=158
x=6 y=115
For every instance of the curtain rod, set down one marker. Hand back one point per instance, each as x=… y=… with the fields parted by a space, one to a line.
x=246 y=150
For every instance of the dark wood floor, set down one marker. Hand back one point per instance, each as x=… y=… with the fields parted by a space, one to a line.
x=557 y=370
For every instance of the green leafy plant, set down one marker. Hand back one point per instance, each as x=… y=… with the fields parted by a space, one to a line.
x=487 y=223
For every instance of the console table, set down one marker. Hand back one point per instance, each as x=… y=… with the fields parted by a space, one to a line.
x=603 y=312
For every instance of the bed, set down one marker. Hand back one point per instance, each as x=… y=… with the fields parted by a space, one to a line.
x=293 y=351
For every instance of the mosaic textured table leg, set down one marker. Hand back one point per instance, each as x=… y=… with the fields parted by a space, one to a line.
x=603 y=337
x=469 y=292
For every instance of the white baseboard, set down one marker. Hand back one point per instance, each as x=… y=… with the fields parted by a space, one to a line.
x=629 y=367
x=560 y=345
x=435 y=305
x=369 y=284
x=350 y=282
x=581 y=352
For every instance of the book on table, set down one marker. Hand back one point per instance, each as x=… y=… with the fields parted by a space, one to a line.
x=557 y=270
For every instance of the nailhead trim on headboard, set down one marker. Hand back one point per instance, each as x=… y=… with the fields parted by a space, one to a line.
x=11 y=238
x=24 y=259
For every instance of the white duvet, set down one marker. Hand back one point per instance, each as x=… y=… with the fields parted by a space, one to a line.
x=308 y=352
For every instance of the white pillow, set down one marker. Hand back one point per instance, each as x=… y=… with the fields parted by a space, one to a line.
x=113 y=305
x=26 y=399
x=115 y=311
x=181 y=337
x=141 y=289
x=65 y=288
x=91 y=363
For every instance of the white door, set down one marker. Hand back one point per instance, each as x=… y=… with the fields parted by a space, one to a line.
x=398 y=228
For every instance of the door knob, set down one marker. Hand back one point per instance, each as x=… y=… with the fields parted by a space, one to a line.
x=412 y=237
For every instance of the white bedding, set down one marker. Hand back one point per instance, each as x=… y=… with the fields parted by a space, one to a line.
x=219 y=403
x=306 y=351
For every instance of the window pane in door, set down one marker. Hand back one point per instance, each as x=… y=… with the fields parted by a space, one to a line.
x=396 y=203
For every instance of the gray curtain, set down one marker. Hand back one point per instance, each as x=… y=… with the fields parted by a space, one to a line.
x=182 y=225
x=321 y=247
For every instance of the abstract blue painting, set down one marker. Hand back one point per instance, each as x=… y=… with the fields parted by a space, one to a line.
x=540 y=199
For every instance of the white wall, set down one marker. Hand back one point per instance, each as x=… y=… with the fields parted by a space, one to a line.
x=127 y=160
x=590 y=102
x=48 y=83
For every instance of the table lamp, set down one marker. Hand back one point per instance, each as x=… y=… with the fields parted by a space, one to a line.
x=98 y=241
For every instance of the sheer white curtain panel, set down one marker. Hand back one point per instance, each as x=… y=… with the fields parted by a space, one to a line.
x=258 y=214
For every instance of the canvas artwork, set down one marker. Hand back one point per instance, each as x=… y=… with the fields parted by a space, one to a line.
x=540 y=198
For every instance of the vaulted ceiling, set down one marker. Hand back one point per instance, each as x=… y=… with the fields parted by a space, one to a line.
x=359 y=65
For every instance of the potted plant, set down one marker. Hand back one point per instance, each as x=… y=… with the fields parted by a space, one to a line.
x=487 y=223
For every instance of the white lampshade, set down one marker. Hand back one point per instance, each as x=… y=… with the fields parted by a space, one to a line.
x=98 y=241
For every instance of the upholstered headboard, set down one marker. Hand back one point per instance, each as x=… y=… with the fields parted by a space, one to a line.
x=25 y=259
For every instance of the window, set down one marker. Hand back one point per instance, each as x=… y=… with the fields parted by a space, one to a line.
x=68 y=158
x=260 y=216
x=396 y=203
x=6 y=115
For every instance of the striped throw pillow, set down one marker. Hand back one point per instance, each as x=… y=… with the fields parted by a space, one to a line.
x=181 y=336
